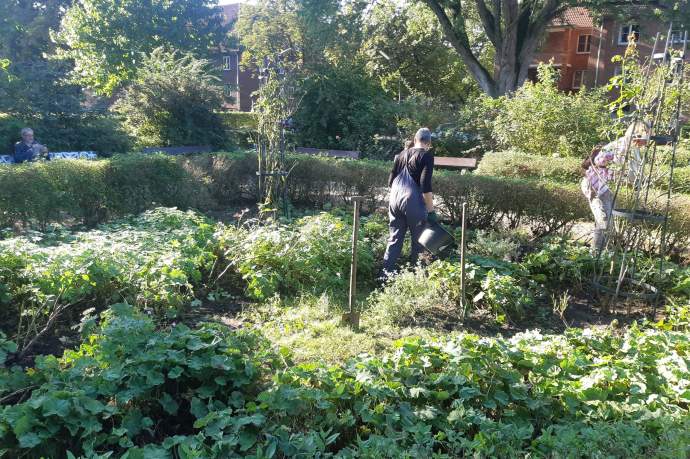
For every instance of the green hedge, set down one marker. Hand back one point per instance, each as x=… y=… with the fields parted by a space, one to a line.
x=515 y=164
x=93 y=191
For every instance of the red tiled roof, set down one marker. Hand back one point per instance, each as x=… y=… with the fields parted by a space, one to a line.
x=577 y=17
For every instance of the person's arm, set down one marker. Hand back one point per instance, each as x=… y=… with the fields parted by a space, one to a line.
x=394 y=171
x=425 y=181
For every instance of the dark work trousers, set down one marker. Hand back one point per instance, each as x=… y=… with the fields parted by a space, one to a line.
x=406 y=211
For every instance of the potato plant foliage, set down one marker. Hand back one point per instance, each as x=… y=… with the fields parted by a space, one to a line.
x=134 y=391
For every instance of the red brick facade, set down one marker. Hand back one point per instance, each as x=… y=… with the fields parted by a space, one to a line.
x=238 y=83
x=587 y=61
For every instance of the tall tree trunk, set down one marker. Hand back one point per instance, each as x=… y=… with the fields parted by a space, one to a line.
x=514 y=29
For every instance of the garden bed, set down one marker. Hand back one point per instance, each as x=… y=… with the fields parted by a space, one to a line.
x=186 y=336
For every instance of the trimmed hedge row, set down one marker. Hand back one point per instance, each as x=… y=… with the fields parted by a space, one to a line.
x=93 y=191
x=516 y=164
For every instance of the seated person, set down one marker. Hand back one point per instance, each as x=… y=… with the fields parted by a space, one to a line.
x=28 y=149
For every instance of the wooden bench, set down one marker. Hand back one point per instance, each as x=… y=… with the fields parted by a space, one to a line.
x=179 y=150
x=326 y=152
x=455 y=163
x=8 y=159
x=72 y=155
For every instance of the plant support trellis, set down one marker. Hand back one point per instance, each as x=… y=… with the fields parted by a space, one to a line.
x=276 y=104
x=631 y=265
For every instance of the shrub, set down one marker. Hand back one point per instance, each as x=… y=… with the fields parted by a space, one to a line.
x=342 y=108
x=515 y=164
x=240 y=127
x=153 y=262
x=494 y=245
x=93 y=191
x=415 y=298
x=311 y=255
x=542 y=120
x=172 y=102
x=96 y=191
x=492 y=202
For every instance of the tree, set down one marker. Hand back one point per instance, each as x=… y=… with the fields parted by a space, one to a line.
x=304 y=34
x=173 y=101
x=106 y=39
x=25 y=27
x=514 y=28
x=405 y=48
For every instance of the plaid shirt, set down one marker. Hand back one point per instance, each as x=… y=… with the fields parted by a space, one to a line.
x=598 y=175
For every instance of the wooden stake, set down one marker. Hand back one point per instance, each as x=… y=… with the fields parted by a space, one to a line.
x=463 y=300
x=352 y=316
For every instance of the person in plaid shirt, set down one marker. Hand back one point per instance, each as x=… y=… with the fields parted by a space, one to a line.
x=598 y=176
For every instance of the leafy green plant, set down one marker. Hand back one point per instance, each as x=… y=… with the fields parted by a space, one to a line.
x=153 y=261
x=504 y=296
x=494 y=245
x=312 y=255
x=416 y=297
x=136 y=391
x=543 y=120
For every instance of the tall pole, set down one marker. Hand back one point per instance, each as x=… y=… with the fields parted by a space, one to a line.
x=463 y=300
x=352 y=317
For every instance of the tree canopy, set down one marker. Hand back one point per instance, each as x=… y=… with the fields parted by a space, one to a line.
x=106 y=39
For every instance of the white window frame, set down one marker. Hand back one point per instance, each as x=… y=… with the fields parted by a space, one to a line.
x=227 y=59
x=630 y=29
x=588 y=43
x=581 y=83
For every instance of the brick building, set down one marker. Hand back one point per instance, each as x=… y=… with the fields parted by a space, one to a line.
x=582 y=48
x=238 y=83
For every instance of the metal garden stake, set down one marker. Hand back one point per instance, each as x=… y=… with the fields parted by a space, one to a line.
x=352 y=317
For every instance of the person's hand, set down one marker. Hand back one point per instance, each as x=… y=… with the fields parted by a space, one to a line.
x=432 y=217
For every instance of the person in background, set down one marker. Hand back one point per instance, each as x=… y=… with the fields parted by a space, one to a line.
x=411 y=201
x=598 y=176
x=28 y=149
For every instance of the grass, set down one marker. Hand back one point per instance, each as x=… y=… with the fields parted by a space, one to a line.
x=309 y=326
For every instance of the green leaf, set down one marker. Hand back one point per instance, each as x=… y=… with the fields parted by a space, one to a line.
x=169 y=404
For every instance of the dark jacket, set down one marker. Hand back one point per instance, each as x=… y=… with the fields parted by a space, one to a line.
x=23 y=152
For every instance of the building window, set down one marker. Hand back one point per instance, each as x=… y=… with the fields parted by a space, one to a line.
x=227 y=62
x=628 y=32
x=584 y=44
x=229 y=90
x=579 y=78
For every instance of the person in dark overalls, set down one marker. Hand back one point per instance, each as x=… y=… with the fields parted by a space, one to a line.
x=411 y=202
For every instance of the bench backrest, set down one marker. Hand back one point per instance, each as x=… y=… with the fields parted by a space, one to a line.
x=455 y=163
x=179 y=150
x=326 y=152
